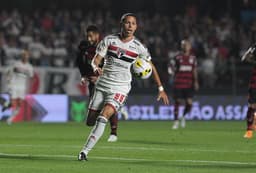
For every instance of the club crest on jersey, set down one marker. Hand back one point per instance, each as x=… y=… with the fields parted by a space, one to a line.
x=113 y=43
x=120 y=52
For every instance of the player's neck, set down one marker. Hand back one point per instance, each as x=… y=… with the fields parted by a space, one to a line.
x=125 y=38
x=24 y=61
x=186 y=53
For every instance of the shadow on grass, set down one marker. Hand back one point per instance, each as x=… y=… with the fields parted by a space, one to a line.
x=166 y=164
x=37 y=157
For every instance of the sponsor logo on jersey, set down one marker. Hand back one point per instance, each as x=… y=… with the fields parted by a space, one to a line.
x=185 y=68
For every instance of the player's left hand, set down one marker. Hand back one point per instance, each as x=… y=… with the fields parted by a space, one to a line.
x=93 y=79
x=83 y=80
x=163 y=95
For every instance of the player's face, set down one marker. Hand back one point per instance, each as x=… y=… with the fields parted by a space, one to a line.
x=185 y=46
x=93 y=37
x=129 y=26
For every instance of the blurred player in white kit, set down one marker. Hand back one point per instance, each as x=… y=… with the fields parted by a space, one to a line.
x=17 y=80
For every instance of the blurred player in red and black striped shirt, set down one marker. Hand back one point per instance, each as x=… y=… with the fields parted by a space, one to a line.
x=185 y=83
x=86 y=52
x=85 y=55
x=250 y=56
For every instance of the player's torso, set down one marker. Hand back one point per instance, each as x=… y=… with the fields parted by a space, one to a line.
x=118 y=61
x=21 y=72
x=184 y=71
x=88 y=56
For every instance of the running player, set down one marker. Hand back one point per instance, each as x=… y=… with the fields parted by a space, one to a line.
x=120 y=51
x=185 y=81
x=17 y=76
x=85 y=55
x=250 y=56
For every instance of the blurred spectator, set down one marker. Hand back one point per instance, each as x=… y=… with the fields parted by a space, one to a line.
x=12 y=50
x=2 y=51
x=207 y=70
x=52 y=36
x=36 y=49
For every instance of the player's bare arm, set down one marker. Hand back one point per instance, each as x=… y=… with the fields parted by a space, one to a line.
x=195 y=76
x=162 y=94
x=95 y=64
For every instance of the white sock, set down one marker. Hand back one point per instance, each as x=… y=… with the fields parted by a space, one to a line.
x=95 y=134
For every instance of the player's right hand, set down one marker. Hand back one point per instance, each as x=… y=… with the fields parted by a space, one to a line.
x=93 y=79
x=98 y=71
x=162 y=95
x=83 y=80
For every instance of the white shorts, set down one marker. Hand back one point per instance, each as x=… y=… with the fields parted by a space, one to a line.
x=101 y=98
x=17 y=92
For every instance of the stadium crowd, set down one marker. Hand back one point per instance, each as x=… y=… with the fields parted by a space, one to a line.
x=53 y=36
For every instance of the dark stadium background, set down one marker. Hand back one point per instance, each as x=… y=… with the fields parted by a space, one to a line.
x=49 y=130
x=160 y=23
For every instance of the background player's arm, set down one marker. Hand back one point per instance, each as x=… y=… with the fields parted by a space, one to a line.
x=80 y=62
x=171 y=66
x=195 y=78
x=162 y=94
x=250 y=55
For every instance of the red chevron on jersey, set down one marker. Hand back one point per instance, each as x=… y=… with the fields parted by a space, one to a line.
x=121 y=52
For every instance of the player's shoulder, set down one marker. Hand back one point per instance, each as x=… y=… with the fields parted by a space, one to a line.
x=179 y=55
x=111 y=36
x=138 y=42
x=192 y=55
x=16 y=63
x=139 y=45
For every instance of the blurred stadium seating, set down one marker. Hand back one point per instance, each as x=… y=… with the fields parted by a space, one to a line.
x=220 y=32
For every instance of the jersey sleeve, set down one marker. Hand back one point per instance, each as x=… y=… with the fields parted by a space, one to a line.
x=102 y=47
x=144 y=53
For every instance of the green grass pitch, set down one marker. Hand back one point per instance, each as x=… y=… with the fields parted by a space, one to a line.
x=143 y=147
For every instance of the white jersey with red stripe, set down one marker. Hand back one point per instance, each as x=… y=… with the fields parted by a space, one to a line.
x=119 y=56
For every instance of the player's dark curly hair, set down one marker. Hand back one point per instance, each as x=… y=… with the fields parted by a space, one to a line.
x=92 y=28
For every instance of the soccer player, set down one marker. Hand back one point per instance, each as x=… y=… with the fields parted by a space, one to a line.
x=85 y=55
x=18 y=75
x=250 y=56
x=111 y=90
x=185 y=81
